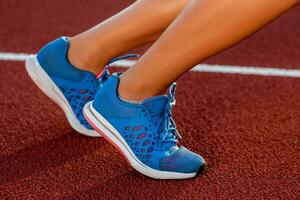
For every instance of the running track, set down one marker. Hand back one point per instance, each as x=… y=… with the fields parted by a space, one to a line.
x=246 y=126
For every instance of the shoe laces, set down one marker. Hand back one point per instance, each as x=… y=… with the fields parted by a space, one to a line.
x=167 y=128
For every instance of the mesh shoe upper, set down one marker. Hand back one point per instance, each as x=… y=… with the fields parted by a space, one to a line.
x=78 y=94
x=78 y=86
x=148 y=128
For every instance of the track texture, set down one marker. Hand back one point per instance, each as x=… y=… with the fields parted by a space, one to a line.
x=29 y=25
x=246 y=127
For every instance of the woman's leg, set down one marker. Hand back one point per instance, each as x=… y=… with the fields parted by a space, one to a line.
x=140 y=23
x=204 y=28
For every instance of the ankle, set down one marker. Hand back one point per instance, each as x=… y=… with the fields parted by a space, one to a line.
x=83 y=58
x=135 y=91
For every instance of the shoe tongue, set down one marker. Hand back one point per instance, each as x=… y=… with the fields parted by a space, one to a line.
x=156 y=105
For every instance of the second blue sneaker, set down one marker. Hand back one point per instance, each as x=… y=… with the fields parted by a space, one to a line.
x=144 y=133
x=68 y=86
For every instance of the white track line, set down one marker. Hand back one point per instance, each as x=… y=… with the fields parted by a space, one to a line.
x=13 y=56
x=226 y=69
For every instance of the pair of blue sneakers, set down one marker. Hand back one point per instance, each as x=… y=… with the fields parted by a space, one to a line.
x=144 y=133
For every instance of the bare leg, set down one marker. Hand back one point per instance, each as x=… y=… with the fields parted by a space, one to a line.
x=140 y=23
x=204 y=28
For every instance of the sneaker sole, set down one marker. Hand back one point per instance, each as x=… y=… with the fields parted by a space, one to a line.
x=45 y=83
x=101 y=125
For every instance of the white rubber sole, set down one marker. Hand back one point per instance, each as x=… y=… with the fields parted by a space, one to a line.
x=101 y=125
x=45 y=83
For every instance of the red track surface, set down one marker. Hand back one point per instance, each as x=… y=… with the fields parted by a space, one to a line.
x=247 y=127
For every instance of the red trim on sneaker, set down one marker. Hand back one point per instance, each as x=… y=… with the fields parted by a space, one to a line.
x=106 y=137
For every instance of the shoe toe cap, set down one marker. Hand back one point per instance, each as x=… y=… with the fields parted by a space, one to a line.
x=183 y=161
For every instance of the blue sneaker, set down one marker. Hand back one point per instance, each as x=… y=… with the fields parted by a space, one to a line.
x=71 y=88
x=144 y=133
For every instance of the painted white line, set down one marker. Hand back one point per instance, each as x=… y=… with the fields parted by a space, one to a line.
x=226 y=69
x=13 y=56
x=258 y=71
x=124 y=63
